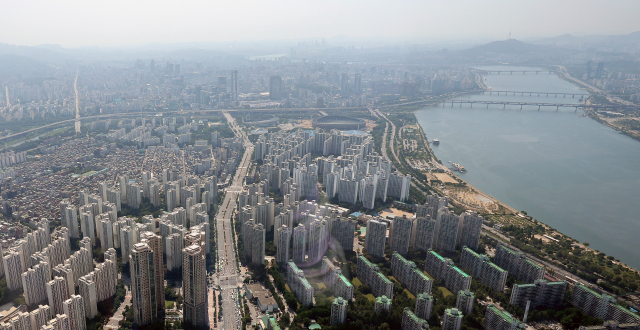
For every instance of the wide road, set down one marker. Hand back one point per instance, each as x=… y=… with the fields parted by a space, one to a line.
x=227 y=276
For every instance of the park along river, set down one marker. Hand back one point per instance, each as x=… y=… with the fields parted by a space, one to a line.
x=570 y=172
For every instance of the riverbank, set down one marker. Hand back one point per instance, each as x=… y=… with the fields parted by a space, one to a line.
x=570 y=173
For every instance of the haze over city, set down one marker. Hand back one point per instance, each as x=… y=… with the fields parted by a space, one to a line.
x=272 y=165
x=73 y=24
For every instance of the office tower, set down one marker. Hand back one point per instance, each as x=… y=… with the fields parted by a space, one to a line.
x=275 y=88
x=398 y=186
x=370 y=274
x=518 y=264
x=407 y=273
x=143 y=284
x=484 y=270
x=33 y=282
x=540 y=293
x=412 y=322
x=383 y=304
x=422 y=233
x=375 y=238
x=357 y=84
x=299 y=285
x=348 y=191
x=400 y=235
x=345 y=84
x=133 y=195
x=424 y=305
x=88 y=290
x=452 y=319
x=12 y=270
x=470 y=229
x=497 y=319
x=57 y=292
x=234 y=85
x=447 y=224
x=194 y=286
x=284 y=238
x=155 y=243
x=338 y=311
x=317 y=240
x=257 y=252
x=74 y=309
x=343 y=232
x=299 y=244
x=464 y=302
x=40 y=316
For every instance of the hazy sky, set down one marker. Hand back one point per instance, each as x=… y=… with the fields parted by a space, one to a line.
x=73 y=23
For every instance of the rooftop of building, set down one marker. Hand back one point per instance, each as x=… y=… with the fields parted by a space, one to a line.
x=501 y=313
x=460 y=271
x=345 y=280
x=436 y=254
x=496 y=267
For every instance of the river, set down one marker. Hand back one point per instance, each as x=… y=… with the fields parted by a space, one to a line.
x=570 y=172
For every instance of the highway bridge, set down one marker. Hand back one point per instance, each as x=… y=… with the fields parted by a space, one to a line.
x=504 y=104
x=529 y=93
x=512 y=71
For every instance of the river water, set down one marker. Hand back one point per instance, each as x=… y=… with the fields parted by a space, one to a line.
x=570 y=172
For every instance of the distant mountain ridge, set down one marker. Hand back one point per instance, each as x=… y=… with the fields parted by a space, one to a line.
x=509 y=46
x=622 y=42
x=41 y=54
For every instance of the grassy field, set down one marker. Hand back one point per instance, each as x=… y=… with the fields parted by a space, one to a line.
x=356 y=282
x=445 y=292
x=371 y=298
x=409 y=294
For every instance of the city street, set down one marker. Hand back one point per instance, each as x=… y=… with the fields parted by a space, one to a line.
x=227 y=276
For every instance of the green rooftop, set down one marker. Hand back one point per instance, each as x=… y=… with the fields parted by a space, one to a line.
x=534 y=264
x=413 y=316
x=384 y=278
x=365 y=260
x=496 y=267
x=421 y=274
x=503 y=314
x=475 y=254
x=344 y=279
x=436 y=254
x=588 y=290
x=460 y=271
